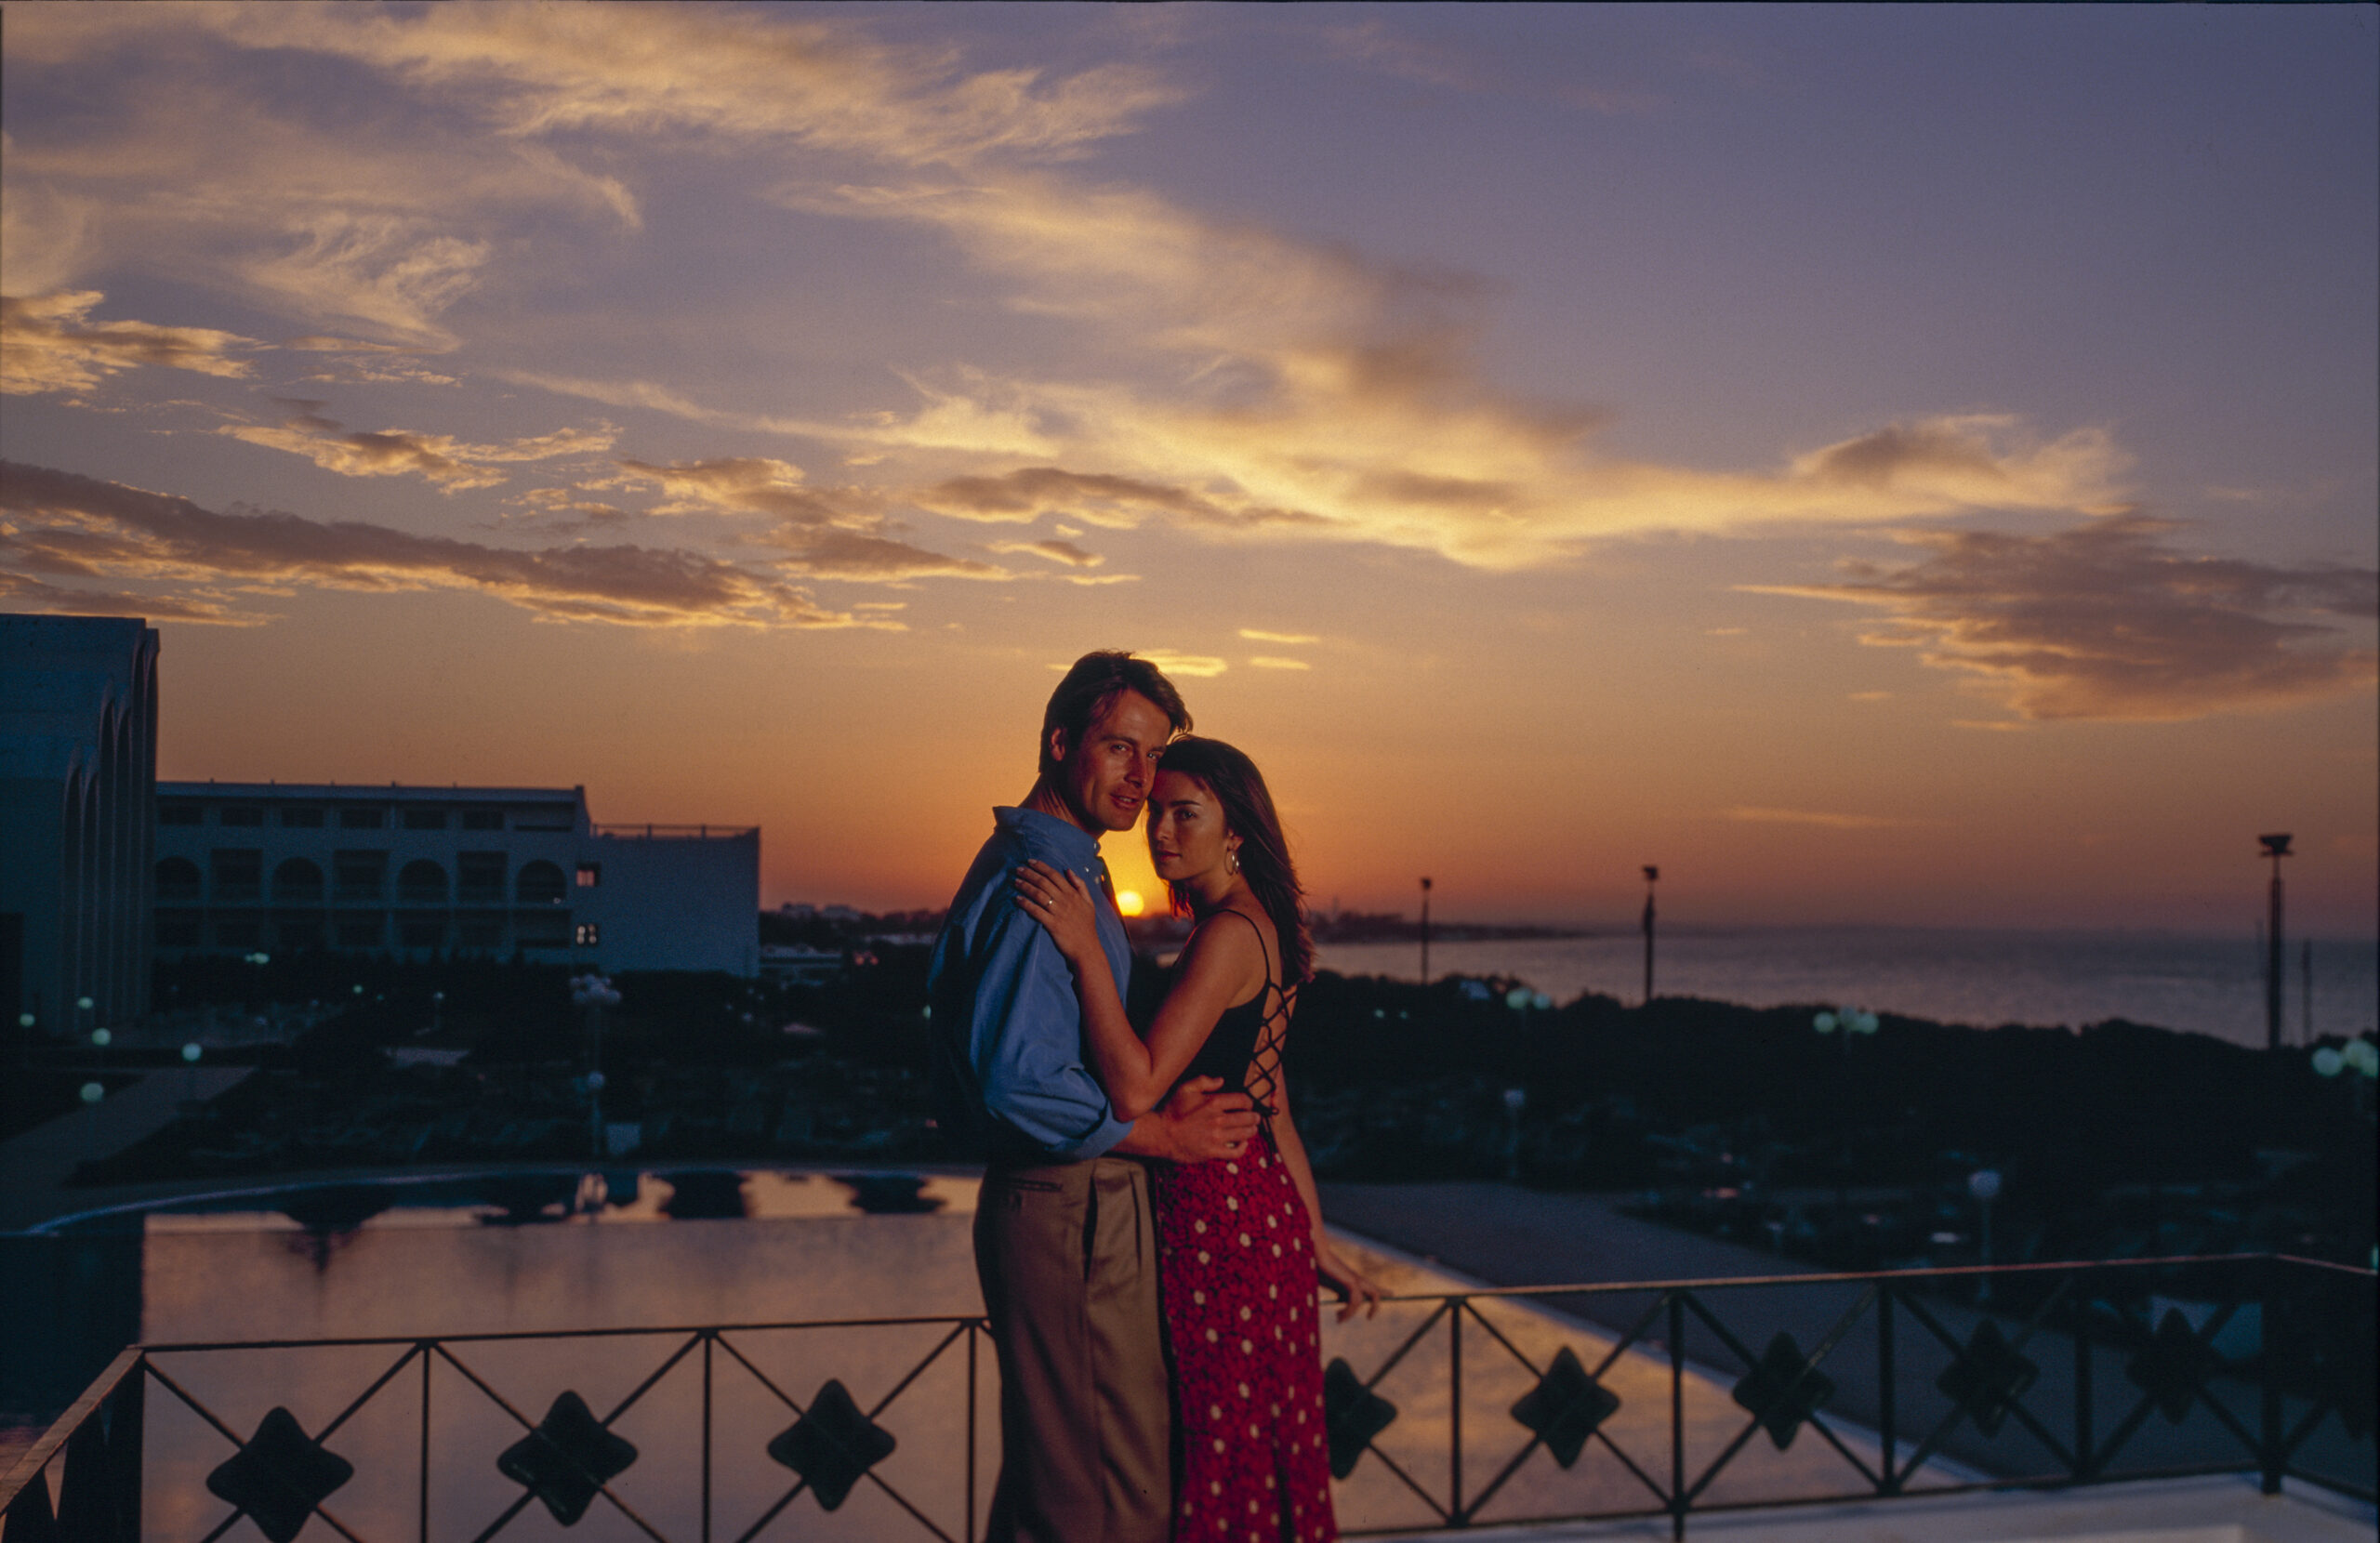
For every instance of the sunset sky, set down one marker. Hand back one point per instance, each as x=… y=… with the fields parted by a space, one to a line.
x=1881 y=463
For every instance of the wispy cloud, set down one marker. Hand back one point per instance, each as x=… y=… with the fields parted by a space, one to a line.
x=1064 y=552
x=49 y=343
x=1330 y=397
x=62 y=525
x=833 y=534
x=1026 y=495
x=452 y=465
x=715 y=73
x=1753 y=814
x=1264 y=661
x=1195 y=665
x=1378 y=45
x=1256 y=635
x=24 y=592
x=2108 y=620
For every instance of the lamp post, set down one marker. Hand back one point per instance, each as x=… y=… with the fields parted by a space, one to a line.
x=594 y=992
x=1652 y=877
x=1425 y=931
x=2276 y=848
x=1847 y=1021
x=1984 y=1184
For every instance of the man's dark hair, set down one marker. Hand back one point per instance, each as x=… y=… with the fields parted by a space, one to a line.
x=1093 y=686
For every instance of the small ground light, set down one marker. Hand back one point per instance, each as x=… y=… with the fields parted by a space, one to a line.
x=83 y=1003
x=192 y=1052
x=25 y=1020
x=101 y=1037
x=2328 y=1063
x=93 y=1092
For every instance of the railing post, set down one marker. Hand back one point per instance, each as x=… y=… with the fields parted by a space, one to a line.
x=709 y=1339
x=1677 y=1415
x=2271 y=1458
x=968 y=1530
x=126 y=1430
x=1887 y=1391
x=1454 y=1409
x=421 y=1499
x=2085 y=1459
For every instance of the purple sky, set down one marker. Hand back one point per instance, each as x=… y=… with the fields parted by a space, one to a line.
x=1881 y=463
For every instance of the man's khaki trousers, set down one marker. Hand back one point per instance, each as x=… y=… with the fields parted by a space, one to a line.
x=1068 y=1257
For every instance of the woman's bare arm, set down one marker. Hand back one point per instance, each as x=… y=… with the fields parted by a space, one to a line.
x=1216 y=970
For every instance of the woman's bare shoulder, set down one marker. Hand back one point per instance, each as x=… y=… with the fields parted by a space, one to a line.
x=1221 y=942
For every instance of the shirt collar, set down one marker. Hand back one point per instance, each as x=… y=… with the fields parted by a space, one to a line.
x=1053 y=840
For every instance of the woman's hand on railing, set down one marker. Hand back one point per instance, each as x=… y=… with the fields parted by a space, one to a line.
x=1355 y=1289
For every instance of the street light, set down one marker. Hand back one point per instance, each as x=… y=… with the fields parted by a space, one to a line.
x=1847 y=1021
x=2276 y=847
x=594 y=992
x=1425 y=931
x=1652 y=877
x=1984 y=1184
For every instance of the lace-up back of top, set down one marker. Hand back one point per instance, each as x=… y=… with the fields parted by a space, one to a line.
x=1245 y=1047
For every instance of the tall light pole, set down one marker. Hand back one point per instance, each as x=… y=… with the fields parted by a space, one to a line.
x=1652 y=877
x=2276 y=848
x=1425 y=931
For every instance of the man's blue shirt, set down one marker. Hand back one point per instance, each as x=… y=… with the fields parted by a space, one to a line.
x=1004 y=1003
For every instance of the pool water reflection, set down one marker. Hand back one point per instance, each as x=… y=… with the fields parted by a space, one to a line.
x=654 y=1250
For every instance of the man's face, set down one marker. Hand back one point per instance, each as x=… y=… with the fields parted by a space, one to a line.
x=1105 y=778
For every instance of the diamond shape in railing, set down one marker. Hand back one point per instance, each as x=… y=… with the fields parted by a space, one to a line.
x=1565 y=1408
x=279 y=1476
x=2174 y=1366
x=567 y=1458
x=1783 y=1391
x=833 y=1446
x=1988 y=1378
x=1352 y=1413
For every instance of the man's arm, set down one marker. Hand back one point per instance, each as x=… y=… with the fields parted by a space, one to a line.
x=1198 y=1123
x=1025 y=1043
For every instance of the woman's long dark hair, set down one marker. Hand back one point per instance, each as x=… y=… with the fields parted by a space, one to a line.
x=1264 y=852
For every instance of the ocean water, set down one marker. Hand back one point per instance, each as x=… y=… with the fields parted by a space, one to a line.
x=2205 y=986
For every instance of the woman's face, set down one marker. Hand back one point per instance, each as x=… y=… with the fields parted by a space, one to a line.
x=1187 y=836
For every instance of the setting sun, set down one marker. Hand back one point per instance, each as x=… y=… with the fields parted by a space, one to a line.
x=1128 y=901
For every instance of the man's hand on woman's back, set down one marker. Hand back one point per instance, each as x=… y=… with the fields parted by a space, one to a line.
x=1198 y=1123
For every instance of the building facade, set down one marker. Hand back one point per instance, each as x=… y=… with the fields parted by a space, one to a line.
x=423 y=872
x=78 y=776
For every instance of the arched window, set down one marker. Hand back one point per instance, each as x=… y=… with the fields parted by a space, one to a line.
x=297 y=882
x=539 y=884
x=177 y=879
x=421 y=882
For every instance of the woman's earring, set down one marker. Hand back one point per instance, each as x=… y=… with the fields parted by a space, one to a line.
x=1235 y=859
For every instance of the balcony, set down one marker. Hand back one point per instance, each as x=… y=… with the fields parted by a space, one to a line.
x=2146 y=1397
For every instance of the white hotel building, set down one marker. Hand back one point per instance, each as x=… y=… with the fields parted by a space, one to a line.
x=421 y=872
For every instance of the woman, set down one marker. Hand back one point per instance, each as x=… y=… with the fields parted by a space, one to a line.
x=1239 y=1240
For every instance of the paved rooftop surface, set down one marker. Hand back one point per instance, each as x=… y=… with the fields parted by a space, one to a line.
x=2183 y=1510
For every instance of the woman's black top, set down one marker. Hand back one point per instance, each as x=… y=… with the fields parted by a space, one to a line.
x=1244 y=1048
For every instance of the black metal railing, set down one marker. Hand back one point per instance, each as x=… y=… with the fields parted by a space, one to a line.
x=1635 y=1399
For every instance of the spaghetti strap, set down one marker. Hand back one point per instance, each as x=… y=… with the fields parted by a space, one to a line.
x=1270 y=985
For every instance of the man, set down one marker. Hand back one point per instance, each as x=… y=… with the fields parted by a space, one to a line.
x=1064 y=1246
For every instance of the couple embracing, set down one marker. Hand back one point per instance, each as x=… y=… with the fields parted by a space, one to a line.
x=1148 y=1237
